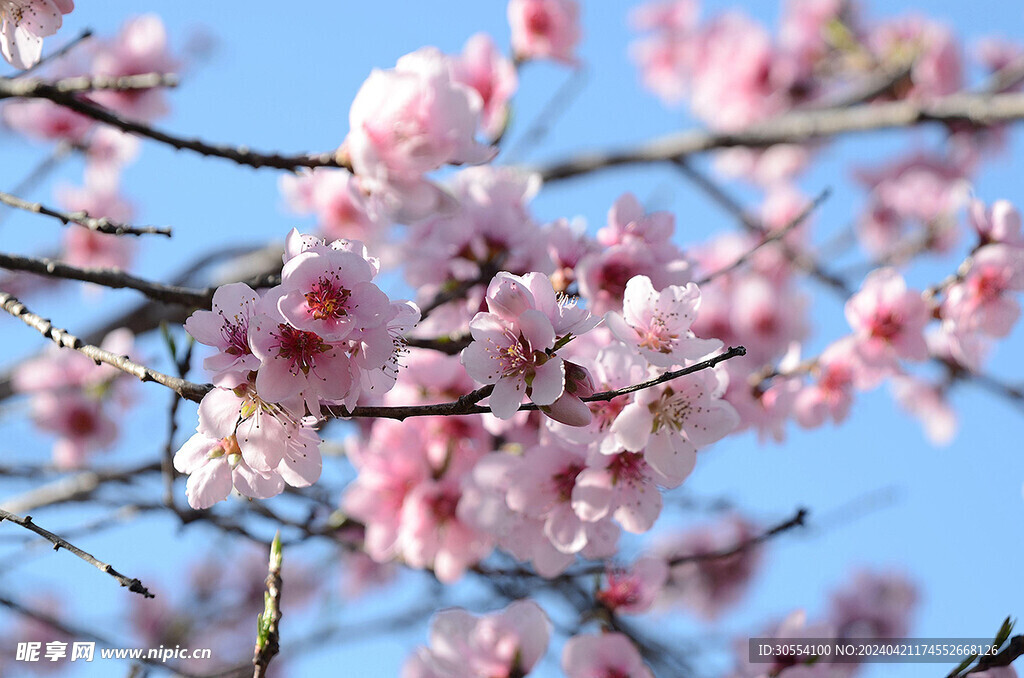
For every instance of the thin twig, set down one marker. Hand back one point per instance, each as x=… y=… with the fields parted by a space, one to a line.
x=239 y=154
x=102 y=225
x=799 y=127
x=113 y=278
x=467 y=403
x=133 y=585
x=775 y=235
x=23 y=88
x=267 y=637
x=82 y=37
x=64 y=339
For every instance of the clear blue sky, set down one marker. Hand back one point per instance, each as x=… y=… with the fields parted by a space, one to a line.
x=282 y=77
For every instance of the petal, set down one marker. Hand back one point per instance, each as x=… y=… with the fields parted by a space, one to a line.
x=209 y=484
x=548 y=382
x=507 y=396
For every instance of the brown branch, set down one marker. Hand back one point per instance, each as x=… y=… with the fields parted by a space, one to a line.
x=239 y=154
x=113 y=278
x=102 y=225
x=801 y=260
x=467 y=403
x=799 y=127
x=775 y=235
x=28 y=89
x=64 y=339
x=797 y=520
x=133 y=585
x=73 y=488
x=1005 y=657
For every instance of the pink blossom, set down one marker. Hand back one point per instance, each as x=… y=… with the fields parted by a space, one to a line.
x=982 y=301
x=431 y=534
x=888 y=320
x=999 y=223
x=763 y=408
x=334 y=197
x=484 y=505
x=492 y=228
x=329 y=293
x=738 y=76
x=633 y=590
x=567 y=244
x=45 y=120
x=297 y=362
x=509 y=642
x=77 y=400
x=874 y=605
x=709 y=586
x=514 y=341
x=87 y=248
x=411 y=120
x=657 y=324
x=928 y=403
x=668 y=423
x=226 y=327
x=544 y=29
x=492 y=75
x=140 y=47
x=608 y=655
x=541 y=486
x=623 y=486
x=937 y=65
x=248 y=443
x=24 y=24
x=831 y=397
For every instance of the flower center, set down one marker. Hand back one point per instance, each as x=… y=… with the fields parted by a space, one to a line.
x=236 y=336
x=298 y=347
x=327 y=300
x=515 y=356
x=657 y=336
x=628 y=466
x=671 y=410
x=565 y=480
x=886 y=325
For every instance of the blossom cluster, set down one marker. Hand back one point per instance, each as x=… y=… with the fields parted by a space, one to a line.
x=325 y=335
x=79 y=401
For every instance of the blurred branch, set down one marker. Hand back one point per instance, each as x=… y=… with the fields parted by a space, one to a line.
x=133 y=585
x=799 y=127
x=102 y=225
x=239 y=154
x=113 y=278
x=29 y=89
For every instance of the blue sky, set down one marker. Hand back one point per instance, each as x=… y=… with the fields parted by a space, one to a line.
x=283 y=78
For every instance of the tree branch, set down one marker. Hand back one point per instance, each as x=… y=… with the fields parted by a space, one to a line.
x=799 y=127
x=113 y=278
x=30 y=88
x=133 y=585
x=240 y=154
x=102 y=225
x=64 y=339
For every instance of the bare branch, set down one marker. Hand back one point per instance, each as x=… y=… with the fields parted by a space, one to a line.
x=775 y=235
x=240 y=154
x=91 y=83
x=267 y=637
x=114 y=278
x=102 y=225
x=133 y=585
x=467 y=403
x=64 y=339
x=800 y=127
